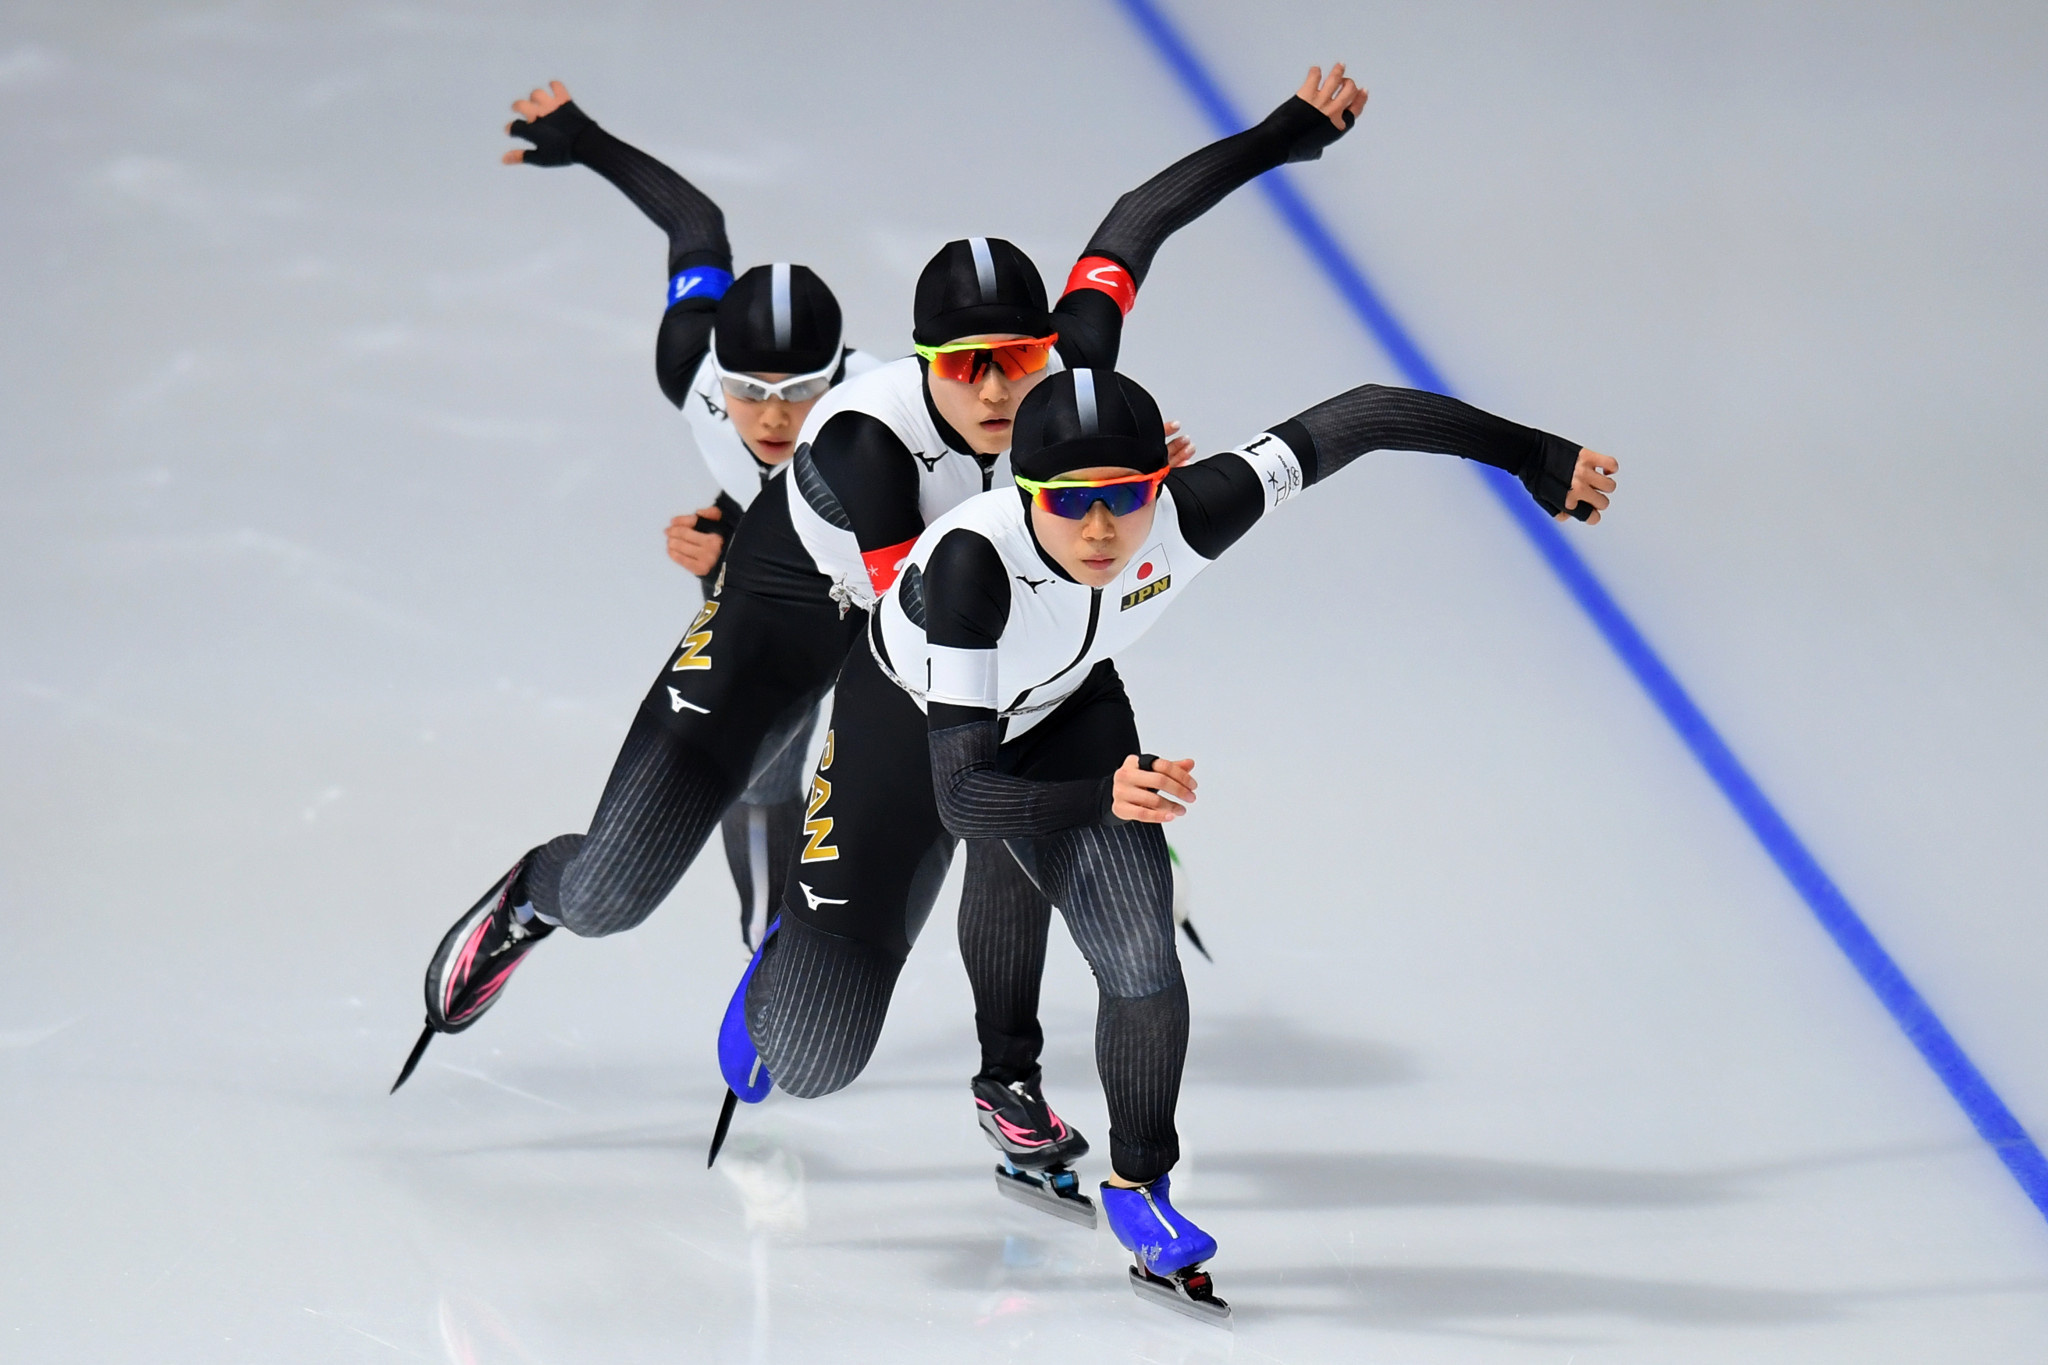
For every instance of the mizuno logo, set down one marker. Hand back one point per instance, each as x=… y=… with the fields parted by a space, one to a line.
x=711 y=407
x=676 y=703
x=1033 y=583
x=695 y=641
x=817 y=900
x=930 y=462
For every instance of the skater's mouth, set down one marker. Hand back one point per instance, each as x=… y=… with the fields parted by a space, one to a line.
x=995 y=424
x=1102 y=565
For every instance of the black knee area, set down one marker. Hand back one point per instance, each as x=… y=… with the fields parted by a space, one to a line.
x=815 y=1007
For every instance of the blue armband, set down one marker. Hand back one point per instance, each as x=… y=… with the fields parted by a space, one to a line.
x=699 y=282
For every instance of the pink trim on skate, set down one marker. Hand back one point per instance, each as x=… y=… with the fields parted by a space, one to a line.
x=1020 y=1136
x=459 y=972
x=487 y=993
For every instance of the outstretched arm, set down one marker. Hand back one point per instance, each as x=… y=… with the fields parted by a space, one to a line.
x=1104 y=283
x=699 y=257
x=1219 y=499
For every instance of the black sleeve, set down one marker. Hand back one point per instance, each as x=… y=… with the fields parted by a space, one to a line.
x=694 y=224
x=1372 y=417
x=977 y=801
x=696 y=236
x=681 y=345
x=1091 y=328
x=1217 y=500
x=859 y=476
x=966 y=596
x=1091 y=321
x=1144 y=218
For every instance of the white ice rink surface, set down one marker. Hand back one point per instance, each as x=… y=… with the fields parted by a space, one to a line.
x=330 y=535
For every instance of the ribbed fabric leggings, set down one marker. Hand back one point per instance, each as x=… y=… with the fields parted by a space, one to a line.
x=739 y=694
x=874 y=852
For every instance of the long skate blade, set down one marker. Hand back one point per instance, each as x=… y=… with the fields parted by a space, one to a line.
x=1035 y=1194
x=1187 y=926
x=1215 y=1312
x=419 y=1050
x=724 y=1124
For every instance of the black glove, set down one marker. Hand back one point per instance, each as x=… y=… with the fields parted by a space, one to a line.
x=729 y=514
x=553 y=136
x=1549 y=479
x=1309 y=129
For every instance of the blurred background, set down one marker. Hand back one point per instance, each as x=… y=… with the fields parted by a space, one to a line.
x=331 y=538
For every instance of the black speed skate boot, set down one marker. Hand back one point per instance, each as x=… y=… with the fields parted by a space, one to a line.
x=1036 y=1145
x=475 y=960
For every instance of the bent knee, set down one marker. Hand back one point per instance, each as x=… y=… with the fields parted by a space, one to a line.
x=816 y=1008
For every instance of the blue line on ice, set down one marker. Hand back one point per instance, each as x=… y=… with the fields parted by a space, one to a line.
x=1994 y=1121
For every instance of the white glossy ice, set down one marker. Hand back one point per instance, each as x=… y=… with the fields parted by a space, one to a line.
x=334 y=483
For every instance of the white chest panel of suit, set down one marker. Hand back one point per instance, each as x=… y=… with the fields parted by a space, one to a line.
x=893 y=395
x=1058 y=629
x=738 y=473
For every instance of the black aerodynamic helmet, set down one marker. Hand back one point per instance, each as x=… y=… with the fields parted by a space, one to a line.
x=977 y=285
x=777 y=319
x=1079 y=419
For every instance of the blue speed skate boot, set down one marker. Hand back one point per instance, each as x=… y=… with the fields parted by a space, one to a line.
x=746 y=1077
x=1169 y=1249
x=1036 y=1145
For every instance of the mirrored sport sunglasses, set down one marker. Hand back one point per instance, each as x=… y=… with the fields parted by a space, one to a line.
x=1071 y=498
x=965 y=362
x=798 y=388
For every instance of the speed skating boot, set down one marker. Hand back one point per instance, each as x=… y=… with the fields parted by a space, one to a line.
x=1169 y=1250
x=1036 y=1145
x=475 y=960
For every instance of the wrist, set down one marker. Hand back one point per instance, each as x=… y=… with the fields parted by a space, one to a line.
x=1549 y=474
x=1107 y=804
x=1304 y=129
x=578 y=129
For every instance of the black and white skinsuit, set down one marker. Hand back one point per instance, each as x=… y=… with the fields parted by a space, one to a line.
x=796 y=581
x=985 y=706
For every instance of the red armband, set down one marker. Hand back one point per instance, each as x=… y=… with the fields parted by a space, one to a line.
x=883 y=565
x=1100 y=272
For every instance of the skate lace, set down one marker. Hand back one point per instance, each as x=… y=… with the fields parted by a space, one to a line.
x=1033 y=1104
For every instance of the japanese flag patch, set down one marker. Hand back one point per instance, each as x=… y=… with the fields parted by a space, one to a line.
x=1148 y=576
